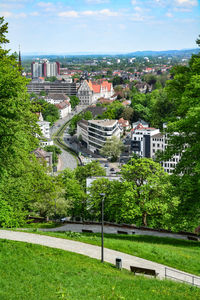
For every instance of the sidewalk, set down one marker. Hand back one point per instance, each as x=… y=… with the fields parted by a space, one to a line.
x=95 y=252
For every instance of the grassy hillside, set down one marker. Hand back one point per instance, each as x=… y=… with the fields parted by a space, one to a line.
x=35 y=272
x=181 y=254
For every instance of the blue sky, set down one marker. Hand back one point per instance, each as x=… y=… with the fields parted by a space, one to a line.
x=101 y=25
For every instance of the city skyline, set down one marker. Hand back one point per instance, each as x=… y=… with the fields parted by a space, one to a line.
x=101 y=26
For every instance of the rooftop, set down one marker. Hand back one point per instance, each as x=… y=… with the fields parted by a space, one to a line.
x=103 y=122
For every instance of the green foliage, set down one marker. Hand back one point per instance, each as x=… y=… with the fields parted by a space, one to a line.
x=73 y=123
x=51 y=79
x=127 y=113
x=74 y=101
x=49 y=111
x=112 y=148
x=152 y=191
x=114 y=111
x=55 y=150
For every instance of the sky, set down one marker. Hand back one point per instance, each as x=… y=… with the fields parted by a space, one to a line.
x=101 y=26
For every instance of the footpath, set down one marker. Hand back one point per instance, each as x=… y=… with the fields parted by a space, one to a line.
x=95 y=252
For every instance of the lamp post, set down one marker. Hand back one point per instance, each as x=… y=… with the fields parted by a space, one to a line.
x=102 y=223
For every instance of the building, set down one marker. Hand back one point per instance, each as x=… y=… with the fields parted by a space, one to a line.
x=56 y=98
x=124 y=124
x=45 y=139
x=45 y=68
x=147 y=141
x=64 y=108
x=159 y=143
x=90 y=91
x=94 y=133
x=56 y=87
x=141 y=140
x=44 y=156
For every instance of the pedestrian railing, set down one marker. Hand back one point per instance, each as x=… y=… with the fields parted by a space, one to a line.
x=181 y=276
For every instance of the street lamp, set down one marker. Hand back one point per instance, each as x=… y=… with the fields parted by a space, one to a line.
x=102 y=223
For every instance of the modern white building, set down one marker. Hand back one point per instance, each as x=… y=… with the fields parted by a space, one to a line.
x=147 y=141
x=95 y=132
x=141 y=140
x=159 y=143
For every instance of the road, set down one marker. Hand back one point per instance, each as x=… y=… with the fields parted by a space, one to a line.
x=66 y=160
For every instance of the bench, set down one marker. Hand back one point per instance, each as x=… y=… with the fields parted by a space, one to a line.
x=122 y=232
x=192 y=238
x=143 y=271
x=87 y=231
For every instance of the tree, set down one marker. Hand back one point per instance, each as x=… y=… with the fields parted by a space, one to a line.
x=55 y=150
x=112 y=148
x=74 y=101
x=128 y=113
x=91 y=169
x=152 y=189
x=20 y=172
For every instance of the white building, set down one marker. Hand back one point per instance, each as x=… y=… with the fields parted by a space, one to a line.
x=159 y=143
x=45 y=139
x=64 y=108
x=89 y=92
x=141 y=140
x=56 y=98
x=95 y=132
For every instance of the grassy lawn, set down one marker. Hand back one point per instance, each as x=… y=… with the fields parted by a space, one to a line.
x=35 y=272
x=181 y=254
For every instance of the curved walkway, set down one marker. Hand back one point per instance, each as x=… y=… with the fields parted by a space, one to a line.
x=95 y=252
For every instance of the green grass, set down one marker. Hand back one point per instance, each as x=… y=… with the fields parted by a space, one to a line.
x=181 y=254
x=36 y=272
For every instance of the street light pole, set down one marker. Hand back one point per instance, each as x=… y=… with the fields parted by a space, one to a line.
x=102 y=223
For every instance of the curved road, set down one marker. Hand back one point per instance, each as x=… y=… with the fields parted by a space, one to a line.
x=95 y=252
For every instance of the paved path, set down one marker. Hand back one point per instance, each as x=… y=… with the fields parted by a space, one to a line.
x=95 y=252
x=114 y=229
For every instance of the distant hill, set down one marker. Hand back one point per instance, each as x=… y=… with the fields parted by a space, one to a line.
x=183 y=52
x=165 y=53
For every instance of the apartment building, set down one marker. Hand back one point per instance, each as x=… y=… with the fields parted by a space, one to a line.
x=141 y=140
x=159 y=143
x=44 y=68
x=95 y=132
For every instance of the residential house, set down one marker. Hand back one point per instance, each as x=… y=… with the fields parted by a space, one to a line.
x=54 y=98
x=64 y=108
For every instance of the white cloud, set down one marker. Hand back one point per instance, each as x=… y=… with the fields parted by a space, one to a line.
x=187 y=2
x=103 y=12
x=169 y=15
x=69 y=14
x=34 y=13
x=97 y=1
x=137 y=8
x=89 y=12
x=133 y=2
x=44 y=4
x=108 y=13
x=6 y=14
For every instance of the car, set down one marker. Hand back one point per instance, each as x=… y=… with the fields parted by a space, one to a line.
x=106 y=165
x=112 y=170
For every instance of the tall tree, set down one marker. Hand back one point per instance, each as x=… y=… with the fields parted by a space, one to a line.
x=112 y=148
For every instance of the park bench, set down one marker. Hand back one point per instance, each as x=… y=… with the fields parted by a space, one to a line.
x=87 y=231
x=122 y=232
x=193 y=238
x=143 y=271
